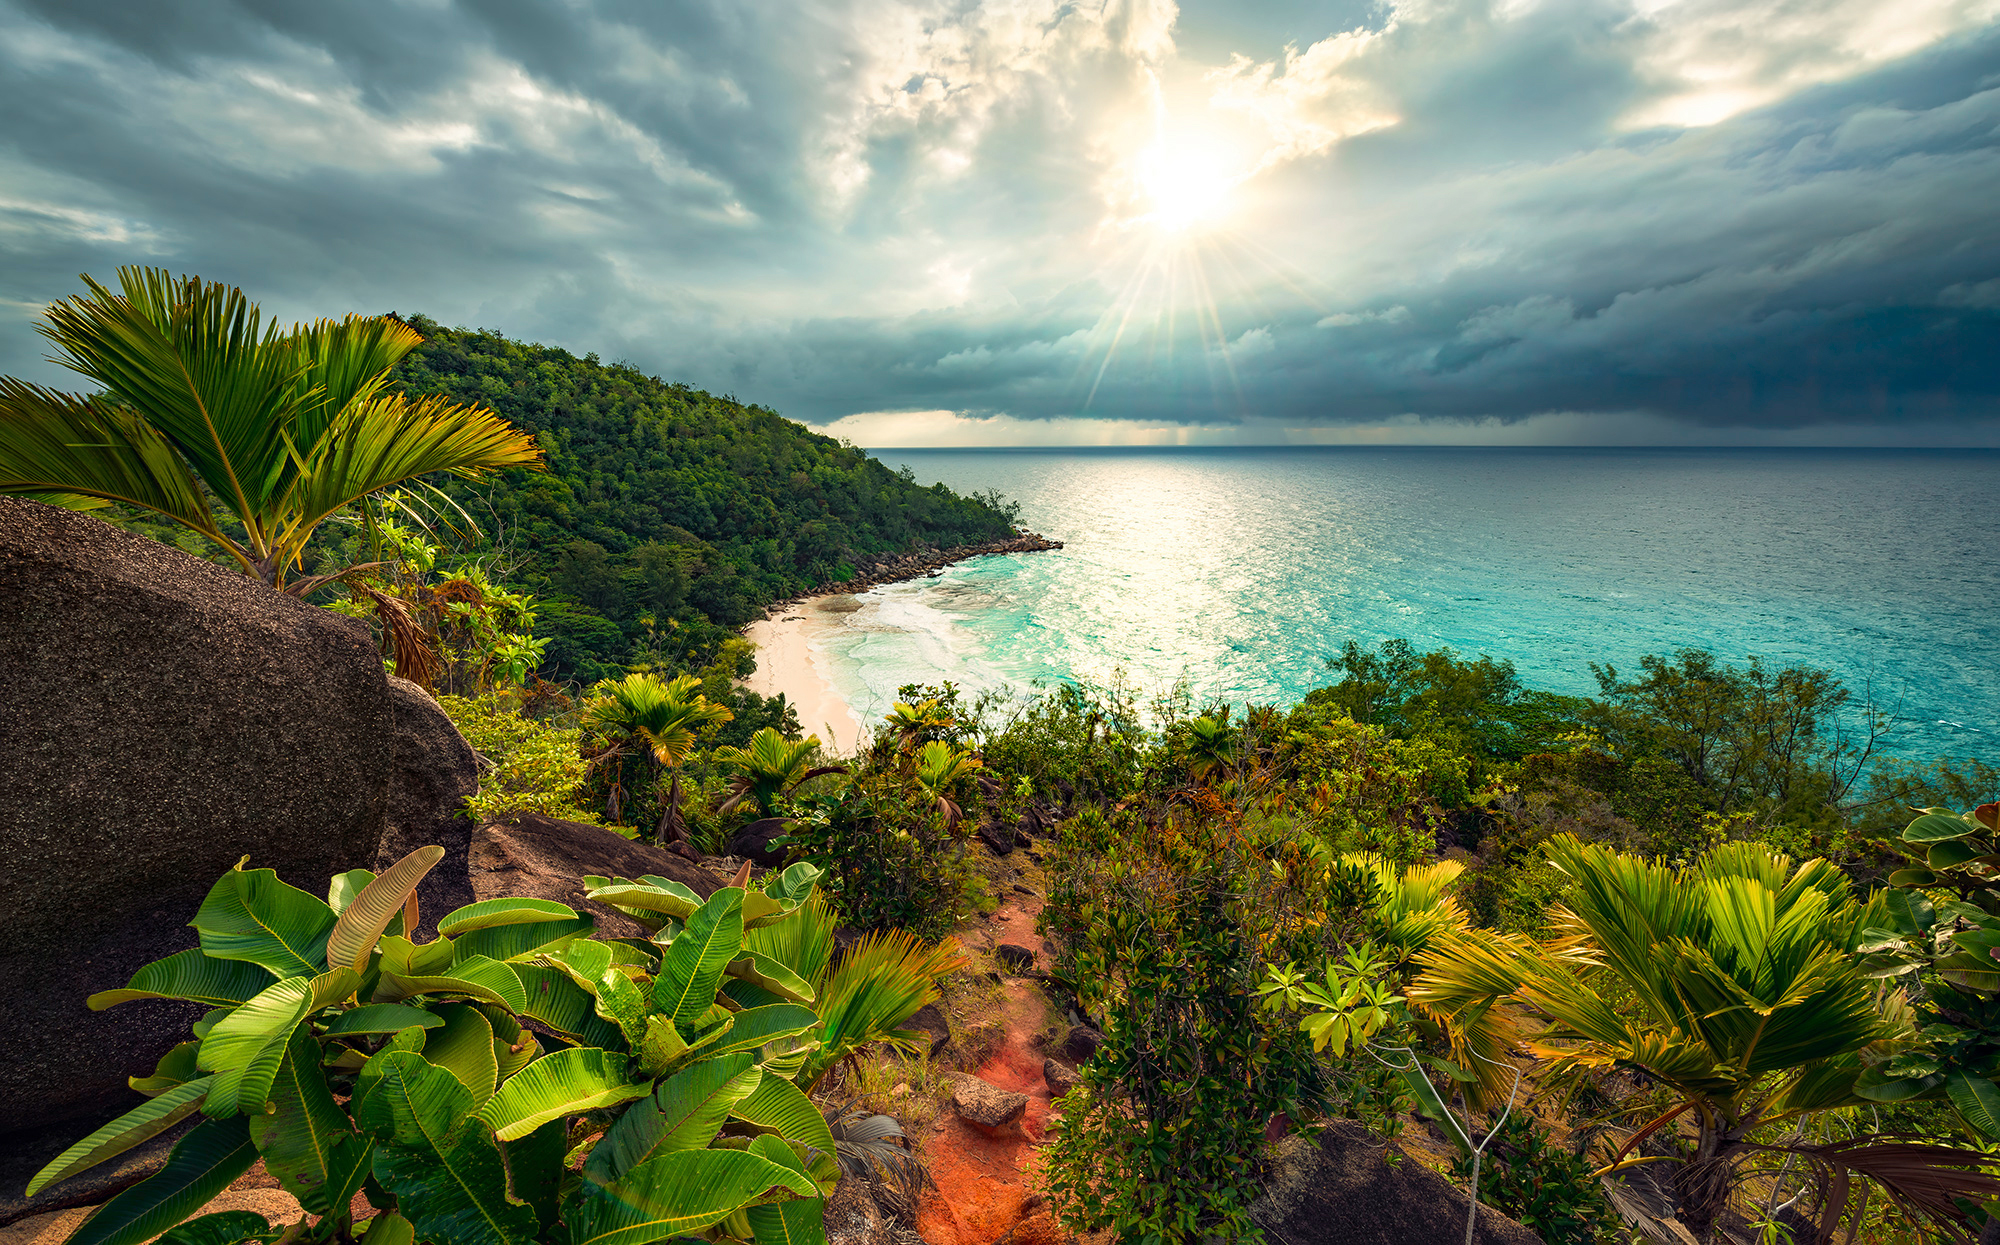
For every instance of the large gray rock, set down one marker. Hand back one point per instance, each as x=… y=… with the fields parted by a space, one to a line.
x=433 y=772
x=163 y=717
x=1341 y=1191
x=547 y=858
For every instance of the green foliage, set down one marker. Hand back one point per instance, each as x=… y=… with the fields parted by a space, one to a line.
x=1943 y=923
x=538 y=766
x=1161 y=937
x=245 y=434
x=1733 y=982
x=668 y=504
x=1543 y=1187
x=670 y=1074
x=891 y=861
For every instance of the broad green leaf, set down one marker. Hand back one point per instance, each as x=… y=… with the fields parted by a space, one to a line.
x=683 y=1113
x=795 y=1221
x=382 y=1018
x=760 y=909
x=408 y=959
x=1913 y=876
x=148 y=1119
x=773 y=977
x=445 y=1169
x=464 y=1048
x=480 y=978
x=558 y=1002
x=667 y=898
x=563 y=1083
x=780 y=1107
x=488 y=913
x=521 y=940
x=225 y=1227
x=202 y=1165
x=745 y=995
x=343 y=887
x=619 y=1000
x=245 y=1047
x=759 y=1026
x=535 y=1169
x=379 y=903
x=176 y=1067
x=1937 y=827
x=389 y=1228
x=306 y=1139
x=1911 y=911
x=1977 y=1100
x=691 y=966
x=250 y=915
x=661 y=1048
x=188 y=975
x=1951 y=853
x=676 y=1194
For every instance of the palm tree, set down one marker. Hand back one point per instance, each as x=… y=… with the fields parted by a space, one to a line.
x=940 y=766
x=908 y=723
x=769 y=768
x=208 y=416
x=1211 y=746
x=666 y=718
x=1747 y=1000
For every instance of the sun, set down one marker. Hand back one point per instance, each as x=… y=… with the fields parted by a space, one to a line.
x=1186 y=182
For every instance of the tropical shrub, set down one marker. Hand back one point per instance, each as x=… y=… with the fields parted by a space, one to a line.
x=1163 y=939
x=351 y=1059
x=1942 y=951
x=538 y=766
x=1735 y=984
x=657 y=722
x=1545 y=1187
x=891 y=857
x=203 y=405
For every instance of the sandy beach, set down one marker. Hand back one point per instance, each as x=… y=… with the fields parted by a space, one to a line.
x=787 y=663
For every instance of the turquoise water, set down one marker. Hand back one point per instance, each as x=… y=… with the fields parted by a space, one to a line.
x=1240 y=569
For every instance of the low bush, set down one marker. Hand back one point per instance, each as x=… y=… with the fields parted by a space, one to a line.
x=537 y=766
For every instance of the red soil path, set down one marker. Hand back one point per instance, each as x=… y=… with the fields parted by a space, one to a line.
x=986 y=1186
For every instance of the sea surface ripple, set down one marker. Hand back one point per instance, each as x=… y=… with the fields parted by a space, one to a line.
x=1240 y=570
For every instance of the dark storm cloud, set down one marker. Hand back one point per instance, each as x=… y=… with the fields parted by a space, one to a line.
x=836 y=209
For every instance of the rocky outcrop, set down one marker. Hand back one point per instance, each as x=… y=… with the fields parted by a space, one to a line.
x=163 y=717
x=896 y=567
x=753 y=842
x=1340 y=1191
x=432 y=773
x=1080 y=1043
x=929 y=1020
x=547 y=858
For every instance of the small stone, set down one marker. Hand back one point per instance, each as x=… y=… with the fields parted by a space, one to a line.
x=902 y=1090
x=994 y=1111
x=1060 y=1076
x=1082 y=1043
x=1016 y=956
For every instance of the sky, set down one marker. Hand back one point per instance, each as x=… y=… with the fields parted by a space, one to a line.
x=1062 y=221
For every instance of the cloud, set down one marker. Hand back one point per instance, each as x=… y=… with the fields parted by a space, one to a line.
x=1049 y=218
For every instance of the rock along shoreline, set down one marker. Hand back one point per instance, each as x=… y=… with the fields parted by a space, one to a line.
x=889 y=568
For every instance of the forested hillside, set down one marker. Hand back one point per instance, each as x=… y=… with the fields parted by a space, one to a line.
x=667 y=503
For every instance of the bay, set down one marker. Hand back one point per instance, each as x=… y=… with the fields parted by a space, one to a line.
x=1240 y=570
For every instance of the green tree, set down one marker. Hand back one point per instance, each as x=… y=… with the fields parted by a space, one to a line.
x=769 y=768
x=1747 y=1000
x=245 y=434
x=665 y=719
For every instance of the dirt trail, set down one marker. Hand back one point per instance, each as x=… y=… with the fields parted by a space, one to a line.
x=986 y=1187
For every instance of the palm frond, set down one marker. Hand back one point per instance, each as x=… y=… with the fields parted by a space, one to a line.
x=882 y=980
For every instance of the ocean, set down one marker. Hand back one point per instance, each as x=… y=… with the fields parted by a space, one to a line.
x=1241 y=570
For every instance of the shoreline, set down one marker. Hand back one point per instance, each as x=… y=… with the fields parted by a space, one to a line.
x=787 y=663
